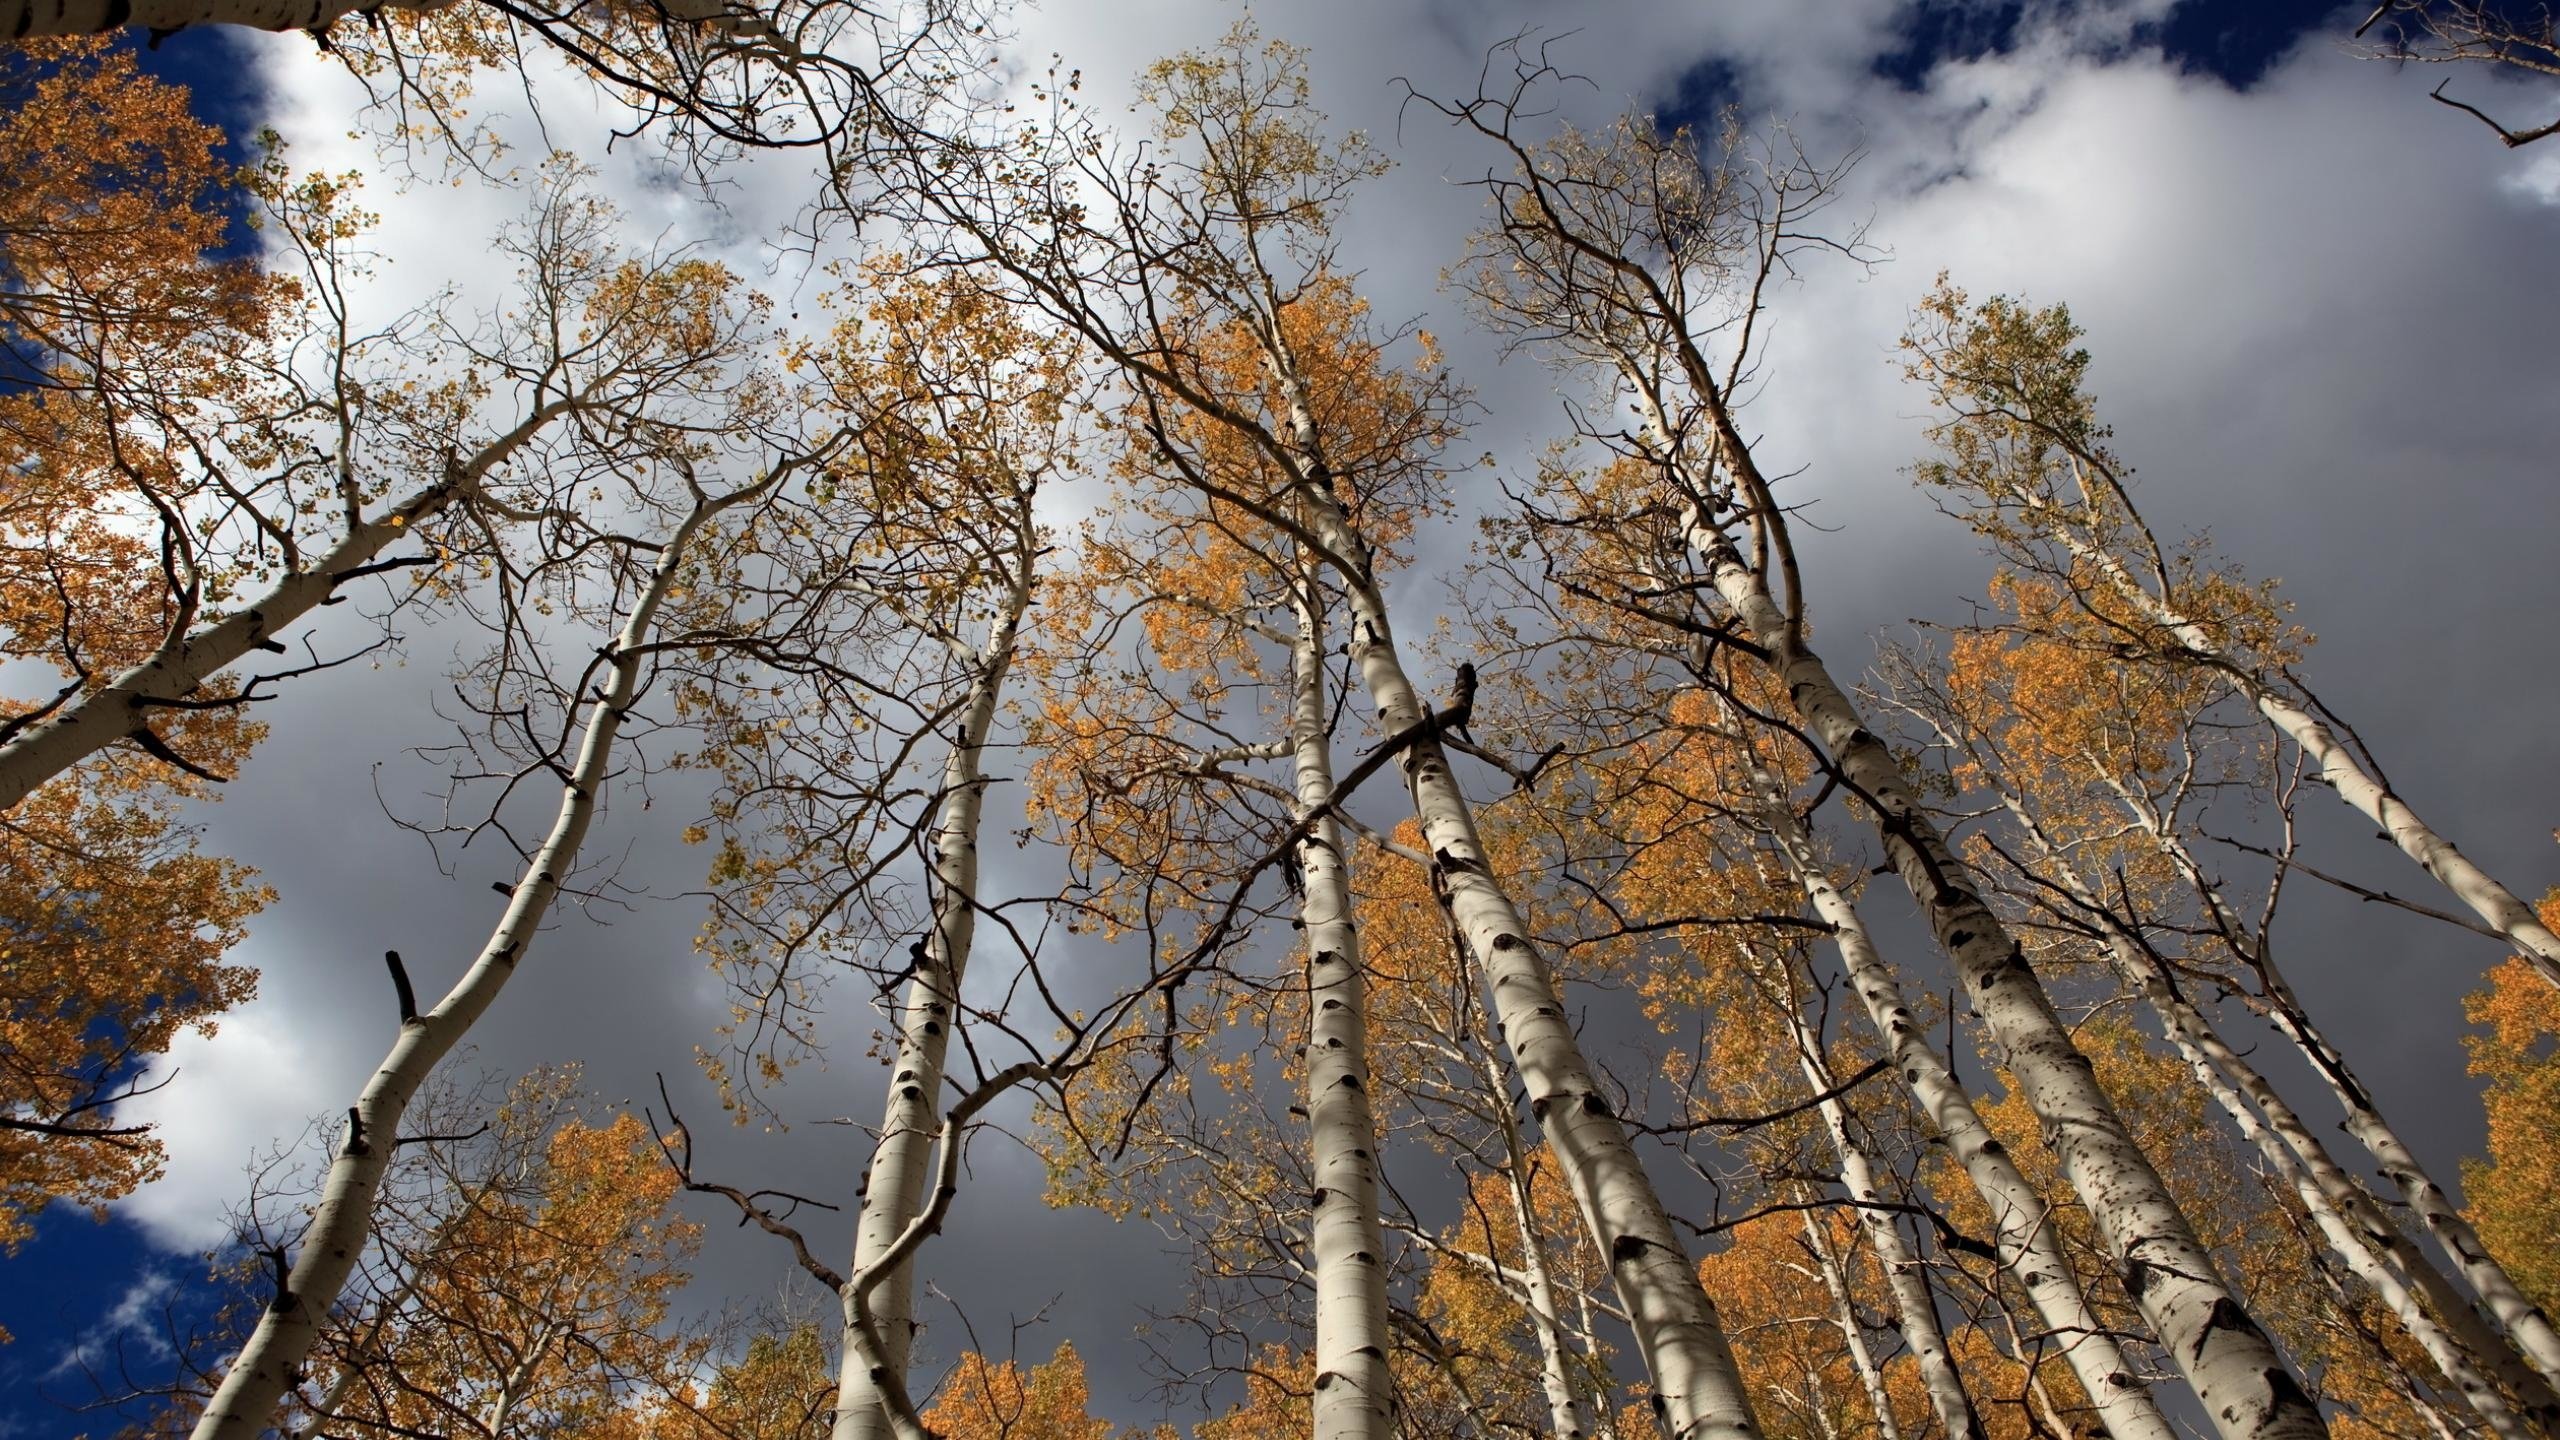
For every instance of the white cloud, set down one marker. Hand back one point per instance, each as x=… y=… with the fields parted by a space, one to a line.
x=228 y=1099
x=2537 y=179
x=134 y=1320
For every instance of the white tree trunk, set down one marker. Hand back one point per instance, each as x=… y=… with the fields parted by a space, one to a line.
x=2524 y=1321
x=269 y=1362
x=2327 y=1195
x=2344 y=1207
x=1911 y=1298
x=185 y=661
x=1853 y=1336
x=1354 y=1391
x=893 y=1191
x=2247 y=1388
x=1696 y=1388
x=2021 y=1225
x=2491 y=901
x=1558 y=1366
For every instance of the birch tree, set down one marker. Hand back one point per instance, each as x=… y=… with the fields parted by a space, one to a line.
x=2025 y=462
x=272 y=460
x=1238 y=626
x=965 y=416
x=700 y=336
x=1616 y=252
x=1233 y=224
x=2104 y=770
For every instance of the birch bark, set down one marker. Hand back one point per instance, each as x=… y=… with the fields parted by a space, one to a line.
x=186 y=660
x=1558 y=1365
x=1853 y=1336
x=2367 y=1238
x=893 y=1191
x=2493 y=902
x=1354 y=1392
x=1918 y=1311
x=1697 y=1391
x=1696 y=1387
x=2021 y=1224
x=2524 y=1321
x=2328 y=1196
x=269 y=1361
x=2245 y=1384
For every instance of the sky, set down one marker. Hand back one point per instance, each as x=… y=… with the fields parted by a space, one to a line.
x=2323 y=325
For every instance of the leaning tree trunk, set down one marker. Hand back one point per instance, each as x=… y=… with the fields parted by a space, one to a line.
x=271 y=1360
x=2247 y=1388
x=2369 y=1334
x=2531 y=1328
x=2475 y=887
x=122 y=707
x=2347 y=1213
x=1844 y=1314
x=2327 y=1196
x=893 y=1191
x=1558 y=1366
x=2021 y=1226
x=1697 y=1389
x=1911 y=1297
x=1354 y=1390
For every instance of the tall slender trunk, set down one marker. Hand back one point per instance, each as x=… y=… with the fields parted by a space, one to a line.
x=1697 y=1390
x=2395 y=1372
x=1557 y=1365
x=352 y=1364
x=1844 y=1313
x=1696 y=1385
x=268 y=1363
x=1354 y=1390
x=187 y=659
x=2021 y=1219
x=2375 y=800
x=2531 y=1329
x=2329 y=1203
x=2349 y=1214
x=1917 y=1309
x=2247 y=1388
x=893 y=1190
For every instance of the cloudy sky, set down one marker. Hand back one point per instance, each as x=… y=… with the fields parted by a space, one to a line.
x=2324 y=327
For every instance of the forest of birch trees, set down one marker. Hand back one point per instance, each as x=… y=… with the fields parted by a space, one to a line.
x=1114 y=713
